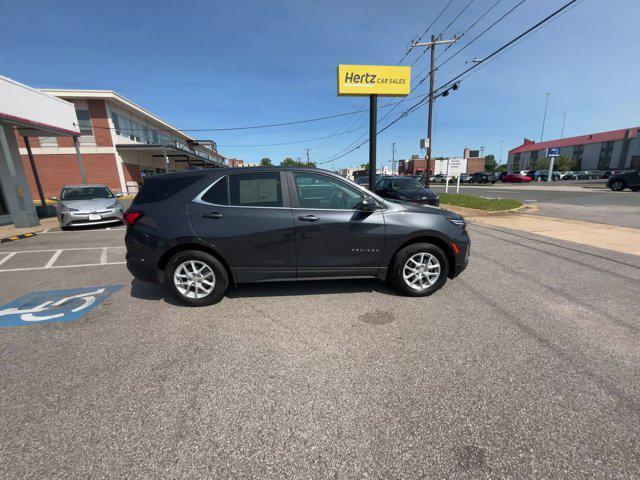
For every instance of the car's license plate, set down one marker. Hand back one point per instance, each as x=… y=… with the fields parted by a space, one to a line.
x=95 y=216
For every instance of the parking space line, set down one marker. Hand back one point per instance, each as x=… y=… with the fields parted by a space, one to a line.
x=53 y=259
x=60 y=266
x=63 y=249
x=82 y=231
x=103 y=255
x=11 y=254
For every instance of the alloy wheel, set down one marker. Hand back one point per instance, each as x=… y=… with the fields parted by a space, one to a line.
x=421 y=271
x=194 y=279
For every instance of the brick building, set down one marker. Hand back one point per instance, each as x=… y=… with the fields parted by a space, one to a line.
x=616 y=149
x=120 y=144
x=417 y=165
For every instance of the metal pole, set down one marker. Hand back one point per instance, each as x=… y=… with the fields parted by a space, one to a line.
x=80 y=164
x=373 y=134
x=446 y=187
x=544 y=119
x=551 y=162
x=36 y=177
x=564 y=119
x=500 y=160
x=431 y=91
x=308 y=161
x=393 y=158
x=166 y=159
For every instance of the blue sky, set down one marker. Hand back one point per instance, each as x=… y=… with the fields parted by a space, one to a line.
x=222 y=64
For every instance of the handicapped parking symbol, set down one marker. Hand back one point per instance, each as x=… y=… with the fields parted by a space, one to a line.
x=54 y=306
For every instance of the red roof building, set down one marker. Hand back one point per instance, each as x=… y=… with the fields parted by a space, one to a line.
x=616 y=149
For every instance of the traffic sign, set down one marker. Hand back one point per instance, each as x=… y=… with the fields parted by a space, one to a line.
x=553 y=152
x=54 y=305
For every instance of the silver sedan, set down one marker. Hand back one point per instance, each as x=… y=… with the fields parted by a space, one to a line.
x=85 y=205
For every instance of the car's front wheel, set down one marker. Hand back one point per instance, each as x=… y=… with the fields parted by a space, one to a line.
x=420 y=269
x=196 y=278
x=617 y=185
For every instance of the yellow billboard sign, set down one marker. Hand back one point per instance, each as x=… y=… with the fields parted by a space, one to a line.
x=374 y=80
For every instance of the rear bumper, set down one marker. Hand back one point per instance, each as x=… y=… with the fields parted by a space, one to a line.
x=142 y=270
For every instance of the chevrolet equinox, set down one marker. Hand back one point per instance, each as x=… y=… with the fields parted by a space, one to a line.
x=199 y=231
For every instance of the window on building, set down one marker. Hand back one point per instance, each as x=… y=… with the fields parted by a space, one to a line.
x=606 y=150
x=84 y=122
x=116 y=122
x=48 y=141
x=576 y=158
x=516 y=162
x=534 y=160
x=255 y=190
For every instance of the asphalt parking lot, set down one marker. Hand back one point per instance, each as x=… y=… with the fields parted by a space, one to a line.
x=526 y=366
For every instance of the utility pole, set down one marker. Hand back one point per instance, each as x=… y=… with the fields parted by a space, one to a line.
x=500 y=161
x=432 y=45
x=544 y=119
x=393 y=158
x=308 y=161
x=564 y=119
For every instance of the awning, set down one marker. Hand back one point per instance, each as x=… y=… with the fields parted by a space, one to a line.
x=172 y=151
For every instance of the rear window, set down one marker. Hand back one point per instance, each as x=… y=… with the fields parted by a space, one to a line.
x=159 y=189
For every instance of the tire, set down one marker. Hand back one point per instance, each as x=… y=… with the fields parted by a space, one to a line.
x=195 y=293
x=405 y=261
x=617 y=185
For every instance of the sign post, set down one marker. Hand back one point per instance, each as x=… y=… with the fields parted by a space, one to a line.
x=373 y=80
x=552 y=153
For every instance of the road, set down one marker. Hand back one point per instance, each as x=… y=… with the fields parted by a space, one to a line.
x=566 y=201
x=526 y=366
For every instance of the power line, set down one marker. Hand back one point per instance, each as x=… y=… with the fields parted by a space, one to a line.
x=443 y=88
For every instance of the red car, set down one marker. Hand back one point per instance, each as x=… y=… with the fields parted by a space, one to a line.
x=516 y=178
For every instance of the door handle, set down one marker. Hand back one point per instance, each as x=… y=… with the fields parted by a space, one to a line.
x=308 y=218
x=212 y=215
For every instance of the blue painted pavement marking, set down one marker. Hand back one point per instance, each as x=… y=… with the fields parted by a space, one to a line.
x=54 y=305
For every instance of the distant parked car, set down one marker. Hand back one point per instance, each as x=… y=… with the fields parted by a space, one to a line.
x=630 y=179
x=439 y=178
x=481 y=177
x=516 y=178
x=406 y=189
x=86 y=205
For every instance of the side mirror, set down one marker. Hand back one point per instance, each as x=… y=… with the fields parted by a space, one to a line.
x=368 y=204
x=54 y=198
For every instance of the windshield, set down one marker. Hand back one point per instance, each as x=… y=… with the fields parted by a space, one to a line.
x=403 y=184
x=86 y=193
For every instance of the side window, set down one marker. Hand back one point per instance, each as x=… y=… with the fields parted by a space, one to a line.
x=321 y=191
x=156 y=190
x=255 y=189
x=218 y=193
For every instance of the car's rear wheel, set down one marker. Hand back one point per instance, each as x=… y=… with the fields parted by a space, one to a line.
x=196 y=278
x=420 y=269
x=617 y=185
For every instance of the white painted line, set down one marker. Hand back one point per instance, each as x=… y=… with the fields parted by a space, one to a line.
x=60 y=266
x=7 y=257
x=53 y=259
x=45 y=231
x=103 y=255
x=63 y=249
x=85 y=231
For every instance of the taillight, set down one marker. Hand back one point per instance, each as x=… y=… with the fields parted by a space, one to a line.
x=131 y=217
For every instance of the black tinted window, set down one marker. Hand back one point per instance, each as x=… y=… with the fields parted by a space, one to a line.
x=217 y=193
x=158 y=189
x=255 y=189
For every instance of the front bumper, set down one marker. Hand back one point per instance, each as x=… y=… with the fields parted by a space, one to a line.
x=80 y=219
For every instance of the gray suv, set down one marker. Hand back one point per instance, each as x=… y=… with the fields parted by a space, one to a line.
x=199 y=231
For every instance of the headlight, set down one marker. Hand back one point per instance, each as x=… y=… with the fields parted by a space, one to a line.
x=67 y=209
x=459 y=221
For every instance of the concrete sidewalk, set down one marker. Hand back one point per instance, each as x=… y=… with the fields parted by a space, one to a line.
x=610 y=237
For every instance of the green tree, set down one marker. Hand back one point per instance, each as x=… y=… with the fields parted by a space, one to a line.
x=490 y=163
x=563 y=163
x=290 y=162
x=501 y=168
x=266 y=162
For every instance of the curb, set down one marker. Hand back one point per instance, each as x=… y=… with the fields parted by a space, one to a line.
x=18 y=237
